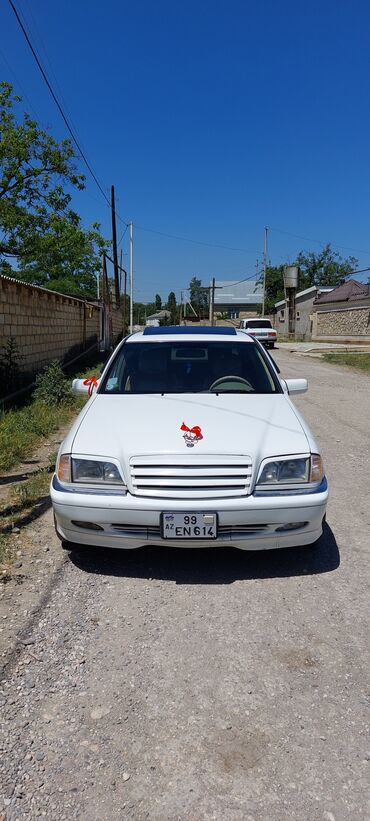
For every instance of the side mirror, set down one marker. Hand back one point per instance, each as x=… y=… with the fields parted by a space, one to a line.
x=86 y=386
x=296 y=385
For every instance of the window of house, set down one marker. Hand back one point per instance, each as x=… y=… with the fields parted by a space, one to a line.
x=282 y=316
x=297 y=315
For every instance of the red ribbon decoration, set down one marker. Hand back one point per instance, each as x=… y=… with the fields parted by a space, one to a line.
x=196 y=429
x=92 y=382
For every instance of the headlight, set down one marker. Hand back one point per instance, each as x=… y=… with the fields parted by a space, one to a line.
x=285 y=471
x=317 y=471
x=292 y=471
x=90 y=471
x=63 y=468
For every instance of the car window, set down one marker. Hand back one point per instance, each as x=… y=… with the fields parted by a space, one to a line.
x=258 y=323
x=191 y=367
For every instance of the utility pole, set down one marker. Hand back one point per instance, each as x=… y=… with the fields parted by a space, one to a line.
x=264 y=271
x=114 y=244
x=181 y=307
x=125 y=303
x=212 y=301
x=131 y=279
x=105 y=285
x=98 y=280
x=120 y=291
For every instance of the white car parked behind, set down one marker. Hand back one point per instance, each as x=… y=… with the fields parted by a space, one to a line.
x=260 y=328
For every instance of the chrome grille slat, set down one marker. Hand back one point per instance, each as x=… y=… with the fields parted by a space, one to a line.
x=225 y=532
x=191 y=477
x=229 y=470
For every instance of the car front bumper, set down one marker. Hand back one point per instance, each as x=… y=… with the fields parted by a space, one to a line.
x=127 y=522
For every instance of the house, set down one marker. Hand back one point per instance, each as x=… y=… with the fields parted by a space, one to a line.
x=154 y=320
x=343 y=315
x=234 y=297
x=303 y=312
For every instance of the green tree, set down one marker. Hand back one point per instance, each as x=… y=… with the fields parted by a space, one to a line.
x=325 y=267
x=199 y=297
x=38 y=228
x=158 y=303
x=274 y=290
x=173 y=308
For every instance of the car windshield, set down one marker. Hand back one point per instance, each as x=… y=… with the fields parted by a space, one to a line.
x=258 y=323
x=190 y=367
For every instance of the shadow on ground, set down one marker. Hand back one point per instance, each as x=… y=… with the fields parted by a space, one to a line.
x=33 y=510
x=221 y=565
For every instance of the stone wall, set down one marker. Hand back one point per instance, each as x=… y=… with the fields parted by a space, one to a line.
x=343 y=323
x=47 y=325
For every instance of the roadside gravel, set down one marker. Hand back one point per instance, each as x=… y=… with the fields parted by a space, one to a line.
x=197 y=685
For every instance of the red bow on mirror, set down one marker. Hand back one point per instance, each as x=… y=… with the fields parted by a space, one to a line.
x=92 y=382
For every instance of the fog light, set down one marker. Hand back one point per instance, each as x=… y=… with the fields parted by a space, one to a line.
x=87 y=525
x=290 y=526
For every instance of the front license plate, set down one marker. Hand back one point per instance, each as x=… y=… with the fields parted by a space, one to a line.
x=189 y=525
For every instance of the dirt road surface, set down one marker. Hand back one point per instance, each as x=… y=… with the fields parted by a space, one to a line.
x=189 y=686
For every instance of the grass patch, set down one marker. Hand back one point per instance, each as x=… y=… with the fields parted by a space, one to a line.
x=28 y=500
x=4 y=551
x=23 y=429
x=26 y=493
x=352 y=360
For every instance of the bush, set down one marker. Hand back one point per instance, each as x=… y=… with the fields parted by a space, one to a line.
x=52 y=387
x=10 y=376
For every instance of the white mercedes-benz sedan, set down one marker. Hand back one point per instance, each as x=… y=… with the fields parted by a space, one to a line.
x=189 y=439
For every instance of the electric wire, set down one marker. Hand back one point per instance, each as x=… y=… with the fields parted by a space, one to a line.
x=193 y=241
x=318 y=241
x=246 y=279
x=140 y=227
x=55 y=98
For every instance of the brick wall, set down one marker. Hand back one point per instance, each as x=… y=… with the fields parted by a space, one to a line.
x=343 y=323
x=47 y=325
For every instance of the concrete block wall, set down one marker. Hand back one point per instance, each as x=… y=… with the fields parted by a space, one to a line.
x=342 y=323
x=47 y=325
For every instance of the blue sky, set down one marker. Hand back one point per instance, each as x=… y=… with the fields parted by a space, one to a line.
x=212 y=119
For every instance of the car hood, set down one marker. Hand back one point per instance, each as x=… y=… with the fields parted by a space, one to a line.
x=259 y=426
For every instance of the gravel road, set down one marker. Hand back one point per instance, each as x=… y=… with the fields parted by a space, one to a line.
x=187 y=686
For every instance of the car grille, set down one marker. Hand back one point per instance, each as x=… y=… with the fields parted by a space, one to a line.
x=190 y=477
x=152 y=533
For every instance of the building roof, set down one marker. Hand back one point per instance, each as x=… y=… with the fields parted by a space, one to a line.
x=239 y=293
x=349 y=291
x=159 y=315
x=33 y=287
x=319 y=289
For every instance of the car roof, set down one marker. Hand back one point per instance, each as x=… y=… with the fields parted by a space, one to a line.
x=179 y=333
x=253 y=318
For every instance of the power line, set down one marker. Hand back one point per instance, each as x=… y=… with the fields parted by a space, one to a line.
x=55 y=98
x=360 y=271
x=246 y=279
x=193 y=241
x=123 y=234
x=319 y=241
